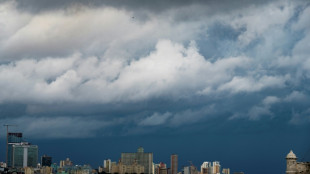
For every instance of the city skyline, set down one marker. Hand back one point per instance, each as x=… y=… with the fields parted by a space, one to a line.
x=139 y=162
x=24 y=157
x=208 y=80
x=132 y=160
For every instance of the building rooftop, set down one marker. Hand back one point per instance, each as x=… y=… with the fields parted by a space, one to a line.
x=291 y=155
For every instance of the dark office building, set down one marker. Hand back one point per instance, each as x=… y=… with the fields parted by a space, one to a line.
x=46 y=161
x=13 y=138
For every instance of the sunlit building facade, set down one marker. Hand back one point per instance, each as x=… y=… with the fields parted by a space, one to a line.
x=142 y=158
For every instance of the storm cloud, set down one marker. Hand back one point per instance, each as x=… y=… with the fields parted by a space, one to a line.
x=195 y=58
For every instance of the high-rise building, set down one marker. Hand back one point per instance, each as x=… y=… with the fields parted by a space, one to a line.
x=100 y=169
x=187 y=170
x=169 y=171
x=24 y=155
x=174 y=164
x=13 y=138
x=216 y=167
x=107 y=165
x=46 y=161
x=142 y=158
x=161 y=168
x=190 y=170
x=156 y=168
x=206 y=168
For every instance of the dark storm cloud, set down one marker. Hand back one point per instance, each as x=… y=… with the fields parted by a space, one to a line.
x=153 y=6
x=188 y=64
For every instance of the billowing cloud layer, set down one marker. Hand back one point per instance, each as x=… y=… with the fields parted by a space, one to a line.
x=194 y=65
x=57 y=127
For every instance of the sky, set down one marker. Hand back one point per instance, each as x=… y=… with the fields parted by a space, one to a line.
x=224 y=81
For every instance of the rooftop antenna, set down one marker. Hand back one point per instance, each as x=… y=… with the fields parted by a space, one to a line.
x=7 y=140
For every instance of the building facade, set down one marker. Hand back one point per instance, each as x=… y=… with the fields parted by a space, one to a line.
x=13 y=138
x=142 y=158
x=64 y=163
x=121 y=168
x=161 y=168
x=226 y=171
x=206 y=168
x=216 y=167
x=174 y=164
x=190 y=170
x=294 y=167
x=46 y=160
x=107 y=166
x=24 y=155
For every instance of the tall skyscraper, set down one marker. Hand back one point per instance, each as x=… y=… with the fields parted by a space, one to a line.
x=174 y=164
x=107 y=165
x=142 y=158
x=24 y=155
x=13 y=138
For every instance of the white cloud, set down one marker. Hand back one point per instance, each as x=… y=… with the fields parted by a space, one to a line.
x=155 y=119
x=269 y=100
x=256 y=112
x=303 y=23
x=191 y=116
x=102 y=55
x=248 y=84
x=104 y=31
x=295 y=96
x=271 y=15
x=11 y=20
x=171 y=70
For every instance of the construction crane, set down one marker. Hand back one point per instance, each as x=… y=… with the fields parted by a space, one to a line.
x=7 y=141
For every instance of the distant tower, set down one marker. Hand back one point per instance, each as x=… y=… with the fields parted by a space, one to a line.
x=174 y=164
x=291 y=165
